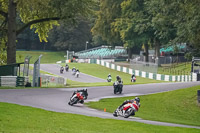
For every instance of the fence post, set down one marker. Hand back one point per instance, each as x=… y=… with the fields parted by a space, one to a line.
x=198 y=96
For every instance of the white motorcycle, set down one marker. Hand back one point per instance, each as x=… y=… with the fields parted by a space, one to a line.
x=109 y=79
x=77 y=74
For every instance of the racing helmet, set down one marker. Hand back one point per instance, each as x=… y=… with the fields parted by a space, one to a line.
x=137 y=99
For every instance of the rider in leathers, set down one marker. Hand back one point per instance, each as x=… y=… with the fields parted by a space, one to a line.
x=136 y=101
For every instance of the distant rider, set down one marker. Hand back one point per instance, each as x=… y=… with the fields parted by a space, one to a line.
x=61 y=69
x=73 y=69
x=133 y=75
x=118 y=78
x=66 y=67
x=109 y=75
x=77 y=70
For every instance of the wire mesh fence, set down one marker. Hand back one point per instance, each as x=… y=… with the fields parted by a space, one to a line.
x=144 y=66
x=50 y=81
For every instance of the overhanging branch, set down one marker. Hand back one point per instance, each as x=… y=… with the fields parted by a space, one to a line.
x=3 y=13
x=35 y=22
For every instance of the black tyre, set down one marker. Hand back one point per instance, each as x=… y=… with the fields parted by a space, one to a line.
x=115 y=114
x=73 y=101
x=81 y=101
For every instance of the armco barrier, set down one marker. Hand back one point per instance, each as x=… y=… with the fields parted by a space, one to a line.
x=174 y=78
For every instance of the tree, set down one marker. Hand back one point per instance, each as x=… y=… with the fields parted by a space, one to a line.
x=134 y=25
x=71 y=38
x=108 y=12
x=38 y=15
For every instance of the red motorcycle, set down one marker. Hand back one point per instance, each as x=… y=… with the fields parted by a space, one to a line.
x=126 y=110
x=78 y=97
x=133 y=79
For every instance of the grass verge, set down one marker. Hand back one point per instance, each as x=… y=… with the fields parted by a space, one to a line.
x=102 y=72
x=179 y=106
x=22 y=119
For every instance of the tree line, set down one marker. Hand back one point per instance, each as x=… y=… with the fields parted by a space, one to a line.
x=64 y=24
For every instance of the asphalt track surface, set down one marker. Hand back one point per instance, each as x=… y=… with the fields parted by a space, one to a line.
x=55 y=69
x=56 y=99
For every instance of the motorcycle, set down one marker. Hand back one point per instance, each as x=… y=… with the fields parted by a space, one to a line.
x=73 y=72
x=109 y=79
x=133 y=79
x=118 y=87
x=77 y=74
x=67 y=68
x=61 y=70
x=78 y=97
x=127 y=110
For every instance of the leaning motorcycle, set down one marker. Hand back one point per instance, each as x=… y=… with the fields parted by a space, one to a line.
x=118 y=87
x=127 y=110
x=78 y=97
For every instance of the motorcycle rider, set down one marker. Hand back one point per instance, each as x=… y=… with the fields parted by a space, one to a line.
x=109 y=78
x=66 y=67
x=77 y=70
x=83 y=92
x=133 y=77
x=73 y=69
x=136 y=101
x=119 y=79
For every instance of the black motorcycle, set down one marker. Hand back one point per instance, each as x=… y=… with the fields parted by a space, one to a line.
x=78 y=97
x=61 y=70
x=118 y=87
x=66 y=68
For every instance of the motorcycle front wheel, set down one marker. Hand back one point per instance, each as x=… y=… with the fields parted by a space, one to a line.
x=73 y=101
x=128 y=113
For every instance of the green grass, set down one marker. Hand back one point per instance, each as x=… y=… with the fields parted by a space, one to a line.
x=176 y=69
x=22 y=119
x=179 y=106
x=48 y=57
x=102 y=72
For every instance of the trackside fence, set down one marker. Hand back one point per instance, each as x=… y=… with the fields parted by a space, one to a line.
x=155 y=76
x=49 y=80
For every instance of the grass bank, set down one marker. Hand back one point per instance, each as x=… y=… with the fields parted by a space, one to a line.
x=102 y=72
x=179 y=106
x=22 y=119
x=48 y=57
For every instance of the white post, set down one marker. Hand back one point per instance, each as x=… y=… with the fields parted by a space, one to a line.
x=67 y=54
x=86 y=45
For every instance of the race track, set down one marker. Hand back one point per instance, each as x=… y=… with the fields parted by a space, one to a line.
x=55 y=69
x=56 y=99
